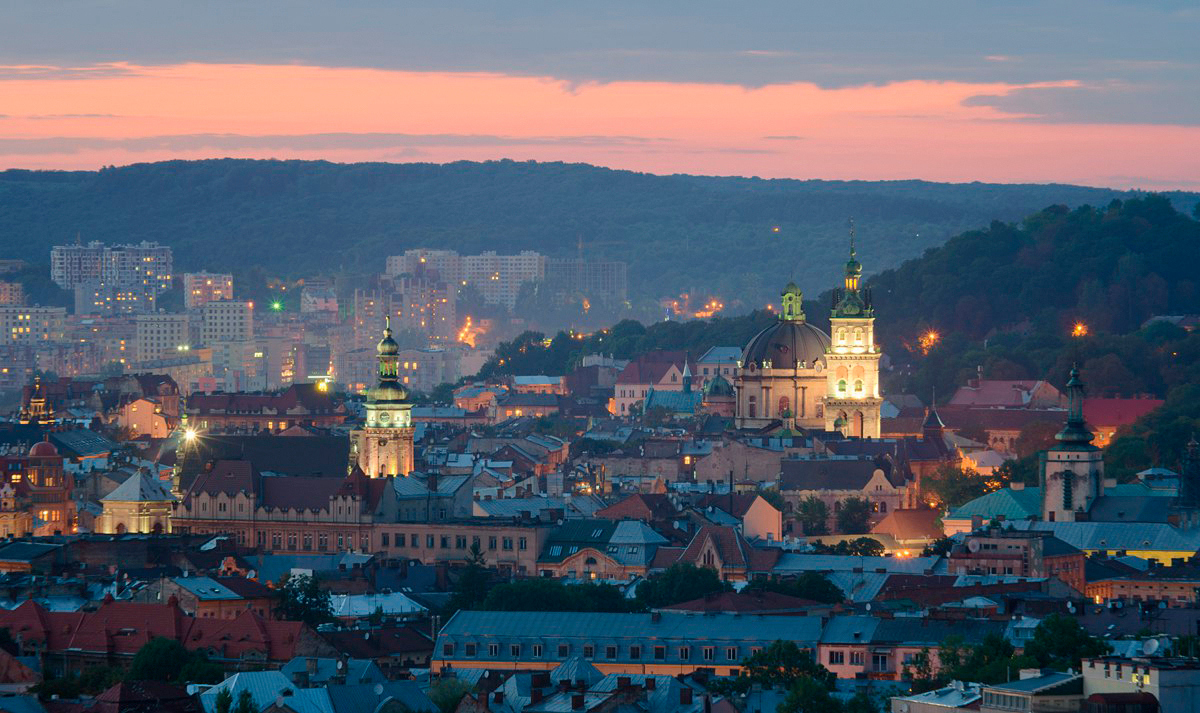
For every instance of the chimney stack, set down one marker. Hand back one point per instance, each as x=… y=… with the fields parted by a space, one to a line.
x=651 y=683
x=685 y=696
x=577 y=702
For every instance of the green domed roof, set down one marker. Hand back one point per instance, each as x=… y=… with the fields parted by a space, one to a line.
x=389 y=392
x=718 y=386
x=387 y=346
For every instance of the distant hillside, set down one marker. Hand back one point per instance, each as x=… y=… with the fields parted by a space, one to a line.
x=708 y=235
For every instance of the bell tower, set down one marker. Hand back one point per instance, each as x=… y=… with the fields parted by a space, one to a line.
x=1072 y=472
x=852 y=398
x=384 y=445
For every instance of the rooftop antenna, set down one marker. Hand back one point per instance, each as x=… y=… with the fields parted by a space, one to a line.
x=852 y=250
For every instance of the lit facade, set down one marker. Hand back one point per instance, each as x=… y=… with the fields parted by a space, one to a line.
x=160 y=336
x=384 y=445
x=200 y=288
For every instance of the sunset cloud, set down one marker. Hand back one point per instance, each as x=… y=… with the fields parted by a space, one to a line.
x=83 y=117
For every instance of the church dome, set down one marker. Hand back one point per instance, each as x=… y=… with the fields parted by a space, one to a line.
x=718 y=386
x=43 y=449
x=785 y=343
x=387 y=346
x=389 y=392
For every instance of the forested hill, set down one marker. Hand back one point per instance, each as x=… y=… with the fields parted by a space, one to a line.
x=1110 y=267
x=705 y=234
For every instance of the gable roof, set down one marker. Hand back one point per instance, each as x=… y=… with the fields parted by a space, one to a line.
x=640 y=506
x=140 y=488
x=1005 y=503
x=833 y=473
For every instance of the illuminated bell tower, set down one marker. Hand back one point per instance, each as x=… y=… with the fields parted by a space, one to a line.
x=384 y=446
x=852 y=399
x=1072 y=471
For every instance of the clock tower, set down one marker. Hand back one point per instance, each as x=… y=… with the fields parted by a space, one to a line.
x=852 y=399
x=384 y=445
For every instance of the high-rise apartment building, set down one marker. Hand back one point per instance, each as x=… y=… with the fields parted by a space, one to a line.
x=11 y=293
x=99 y=298
x=28 y=325
x=145 y=264
x=200 y=288
x=594 y=280
x=498 y=277
x=160 y=336
x=227 y=321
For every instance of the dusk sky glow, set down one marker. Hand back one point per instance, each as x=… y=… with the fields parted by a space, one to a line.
x=856 y=95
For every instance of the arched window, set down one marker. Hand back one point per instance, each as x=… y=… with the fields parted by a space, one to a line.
x=859 y=424
x=843 y=372
x=783 y=405
x=841 y=336
x=858 y=387
x=858 y=335
x=842 y=387
x=753 y=404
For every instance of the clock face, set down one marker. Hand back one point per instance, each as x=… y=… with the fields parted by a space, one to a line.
x=384 y=416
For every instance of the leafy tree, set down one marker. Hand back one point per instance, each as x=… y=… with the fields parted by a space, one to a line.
x=656 y=416
x=773 y=496
x=809 y=585
x=681 y=582
x=813 y=515
x=447 y=692
x=809 y=696
x=473 y=581
x=164 y=659
x=950 y=486
x=1035 y=437
x=854 y=517
x=1059 y=642
x=783 y=663
x=301 y=598
x=92 y=680
x=245 y=703
x=224 y=701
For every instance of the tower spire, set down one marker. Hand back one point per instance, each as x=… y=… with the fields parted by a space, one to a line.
x=853 y=252
x=1076 y=431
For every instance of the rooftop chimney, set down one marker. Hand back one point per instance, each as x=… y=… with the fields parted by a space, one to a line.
x=577 y=701
x=685 y=696
x=623 y=681
x=651 y=683
x=535 y=696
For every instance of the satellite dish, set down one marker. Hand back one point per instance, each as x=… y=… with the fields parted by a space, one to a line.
x=1071 y=607
x=1149 y=646
x=379 y=689
x=340 y=664
x=973 y=545
x=868 y=606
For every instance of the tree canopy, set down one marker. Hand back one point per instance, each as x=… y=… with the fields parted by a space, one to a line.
x=681 y=582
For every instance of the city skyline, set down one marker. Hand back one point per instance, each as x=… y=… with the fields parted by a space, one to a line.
x=1014 y=94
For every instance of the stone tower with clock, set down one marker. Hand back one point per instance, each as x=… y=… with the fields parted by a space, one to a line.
x=384 y=445
x=852 y=399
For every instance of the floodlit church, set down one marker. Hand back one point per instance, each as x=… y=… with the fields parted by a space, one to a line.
x=384 y=445
x=794 y=372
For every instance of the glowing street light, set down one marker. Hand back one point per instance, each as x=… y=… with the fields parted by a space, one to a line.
x=1079 y=329
x=189 y=435
x=277 y=306
x=928 y=340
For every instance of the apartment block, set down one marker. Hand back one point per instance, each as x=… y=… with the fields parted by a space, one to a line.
x=200 y=288
x=147 y=264
x=160 y=336
x=28 y=325
x=11 y=293
x=227 y=321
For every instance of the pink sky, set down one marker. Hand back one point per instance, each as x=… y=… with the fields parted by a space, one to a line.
x=52 y=117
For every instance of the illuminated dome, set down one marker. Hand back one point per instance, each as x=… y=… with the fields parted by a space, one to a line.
x=785 y=343
x=387 y=346
x=389 y=391
x=719 y=386
x=44 y=449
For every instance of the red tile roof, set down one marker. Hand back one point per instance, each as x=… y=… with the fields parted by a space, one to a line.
x=381 y=642
x=121 y=628
x=640 y=506
x=651 y=367
x=998 y=392
x=737 y=505
x=299 y=492
x=298 y=398
x=229 y=477
x=1112 y=413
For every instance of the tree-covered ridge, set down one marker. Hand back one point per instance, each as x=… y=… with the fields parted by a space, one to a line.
x=713 y=235
x=1110 y=267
